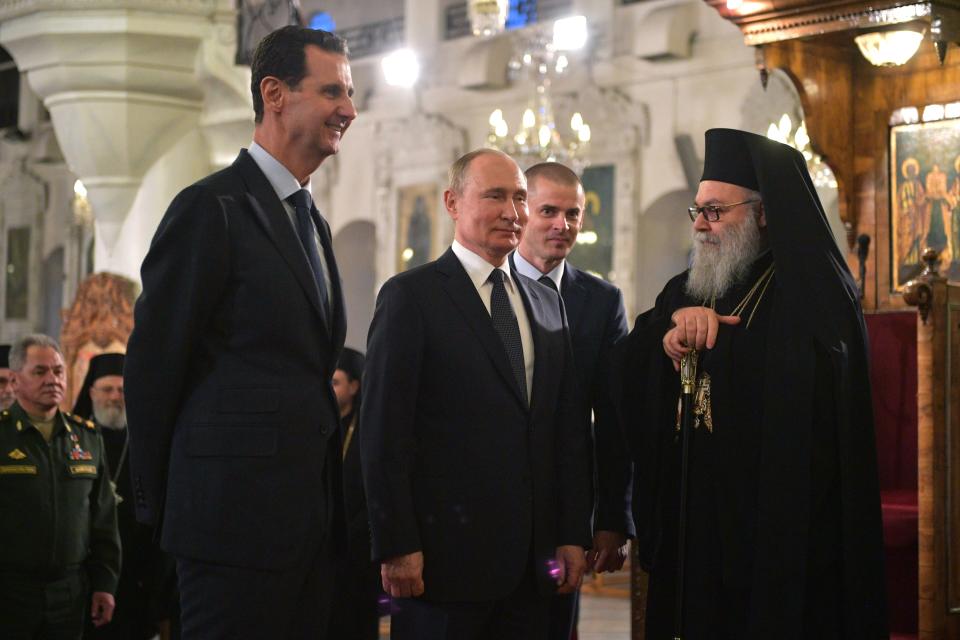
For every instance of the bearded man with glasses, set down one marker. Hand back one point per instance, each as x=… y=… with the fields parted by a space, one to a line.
x=782 y=518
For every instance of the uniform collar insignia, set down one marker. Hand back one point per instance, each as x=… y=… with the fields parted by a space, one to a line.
x=16 y=454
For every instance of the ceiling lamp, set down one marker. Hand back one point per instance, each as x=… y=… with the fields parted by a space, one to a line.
x=401 y=68
x=570 y=34
x=820 y=173
x=889 y=48
x=487 y=17
x=539 y=139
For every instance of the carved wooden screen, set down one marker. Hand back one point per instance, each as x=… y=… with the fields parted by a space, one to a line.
x=938 y=425
x=99 y=320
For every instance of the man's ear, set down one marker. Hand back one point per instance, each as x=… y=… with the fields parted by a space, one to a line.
x=761 y=216
x=271 y=91
x=450 y=202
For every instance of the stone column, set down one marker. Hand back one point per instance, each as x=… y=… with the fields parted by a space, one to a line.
x=119 y=79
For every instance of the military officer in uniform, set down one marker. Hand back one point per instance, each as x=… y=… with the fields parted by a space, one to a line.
x=59 y=546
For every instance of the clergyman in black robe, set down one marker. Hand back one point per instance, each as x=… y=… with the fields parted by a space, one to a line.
x=146 y=594
x=783 y=533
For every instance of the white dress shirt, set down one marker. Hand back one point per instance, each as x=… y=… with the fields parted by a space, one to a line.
x=479 y=270
x=527 y=269
x=285 y=185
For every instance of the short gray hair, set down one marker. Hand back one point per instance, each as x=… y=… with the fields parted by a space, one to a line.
x=18 y=351
x=460 y=168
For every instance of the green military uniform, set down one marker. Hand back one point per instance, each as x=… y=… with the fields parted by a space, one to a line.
x=58 y=525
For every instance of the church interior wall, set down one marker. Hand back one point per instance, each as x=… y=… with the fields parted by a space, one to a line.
x=185 y=162
x=402 y=137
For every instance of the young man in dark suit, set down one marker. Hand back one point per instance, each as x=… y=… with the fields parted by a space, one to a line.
x=474 y=459
x=232 y=417
x=597 y=320
x=356 y=603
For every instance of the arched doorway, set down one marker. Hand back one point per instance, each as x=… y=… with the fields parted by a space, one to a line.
x=356 y=246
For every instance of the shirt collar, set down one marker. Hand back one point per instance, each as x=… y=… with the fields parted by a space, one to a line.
x=479 y=269
x=525 y=268
x=279 y=177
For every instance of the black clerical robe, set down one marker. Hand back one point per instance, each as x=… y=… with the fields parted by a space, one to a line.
x=767 y=533
x=146 y=593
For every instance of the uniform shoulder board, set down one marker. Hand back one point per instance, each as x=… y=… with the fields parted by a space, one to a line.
x=83 y=422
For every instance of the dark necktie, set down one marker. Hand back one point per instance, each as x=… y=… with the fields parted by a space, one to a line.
x=307 y=230
x=505 y=322
x=547 y=280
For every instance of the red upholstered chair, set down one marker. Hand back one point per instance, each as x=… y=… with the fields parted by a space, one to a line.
x=893 y=376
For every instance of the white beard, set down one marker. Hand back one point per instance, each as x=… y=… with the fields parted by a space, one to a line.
x=721 y=261
x=110 y=417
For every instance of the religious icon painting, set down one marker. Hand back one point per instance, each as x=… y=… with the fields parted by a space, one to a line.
x=594 y=249
x=418 y=241
x=924 y=198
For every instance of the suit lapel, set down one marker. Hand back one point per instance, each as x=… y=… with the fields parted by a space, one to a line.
x=338 y=318
x=533 y=304
x=273 y=217
x=574 y=296
x=461 y=290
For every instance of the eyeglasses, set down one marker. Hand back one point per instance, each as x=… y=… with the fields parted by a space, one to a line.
x=712 y=211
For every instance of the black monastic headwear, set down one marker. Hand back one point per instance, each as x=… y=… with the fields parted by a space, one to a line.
x=727 y=159
x=352 y=362
x=4 y=356
x=104 y=364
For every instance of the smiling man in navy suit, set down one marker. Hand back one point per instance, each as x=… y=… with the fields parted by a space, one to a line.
x=474 y=459
x=233 y=421
x=597 y=320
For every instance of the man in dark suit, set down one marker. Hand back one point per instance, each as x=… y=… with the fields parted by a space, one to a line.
x=474 y=459
x=355 y=613
x=232 y=417
x=597 y=320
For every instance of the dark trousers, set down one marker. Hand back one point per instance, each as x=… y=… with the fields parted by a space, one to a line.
x=219 y=602
x=35 y=609
x=522 y=615
x=236 y=603
x=356 y=614
x=564 y=611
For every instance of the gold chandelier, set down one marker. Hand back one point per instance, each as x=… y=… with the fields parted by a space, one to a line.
x=538 y=138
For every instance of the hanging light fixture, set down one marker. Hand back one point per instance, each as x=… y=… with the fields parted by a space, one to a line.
x=487 y=17
x=82 y=212
x=782 y=131
x=539 y=139
x=889 y=48
x=401 y=68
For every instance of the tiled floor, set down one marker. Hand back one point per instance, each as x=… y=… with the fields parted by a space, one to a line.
x=602 y=617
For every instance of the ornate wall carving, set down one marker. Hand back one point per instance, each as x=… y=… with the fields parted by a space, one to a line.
x=99 y=320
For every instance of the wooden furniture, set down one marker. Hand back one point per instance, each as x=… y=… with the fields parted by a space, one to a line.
x=848 y=102
x=938 y=397
x=99 y=320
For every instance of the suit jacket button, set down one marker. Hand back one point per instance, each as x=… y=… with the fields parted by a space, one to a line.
x=324 y=430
